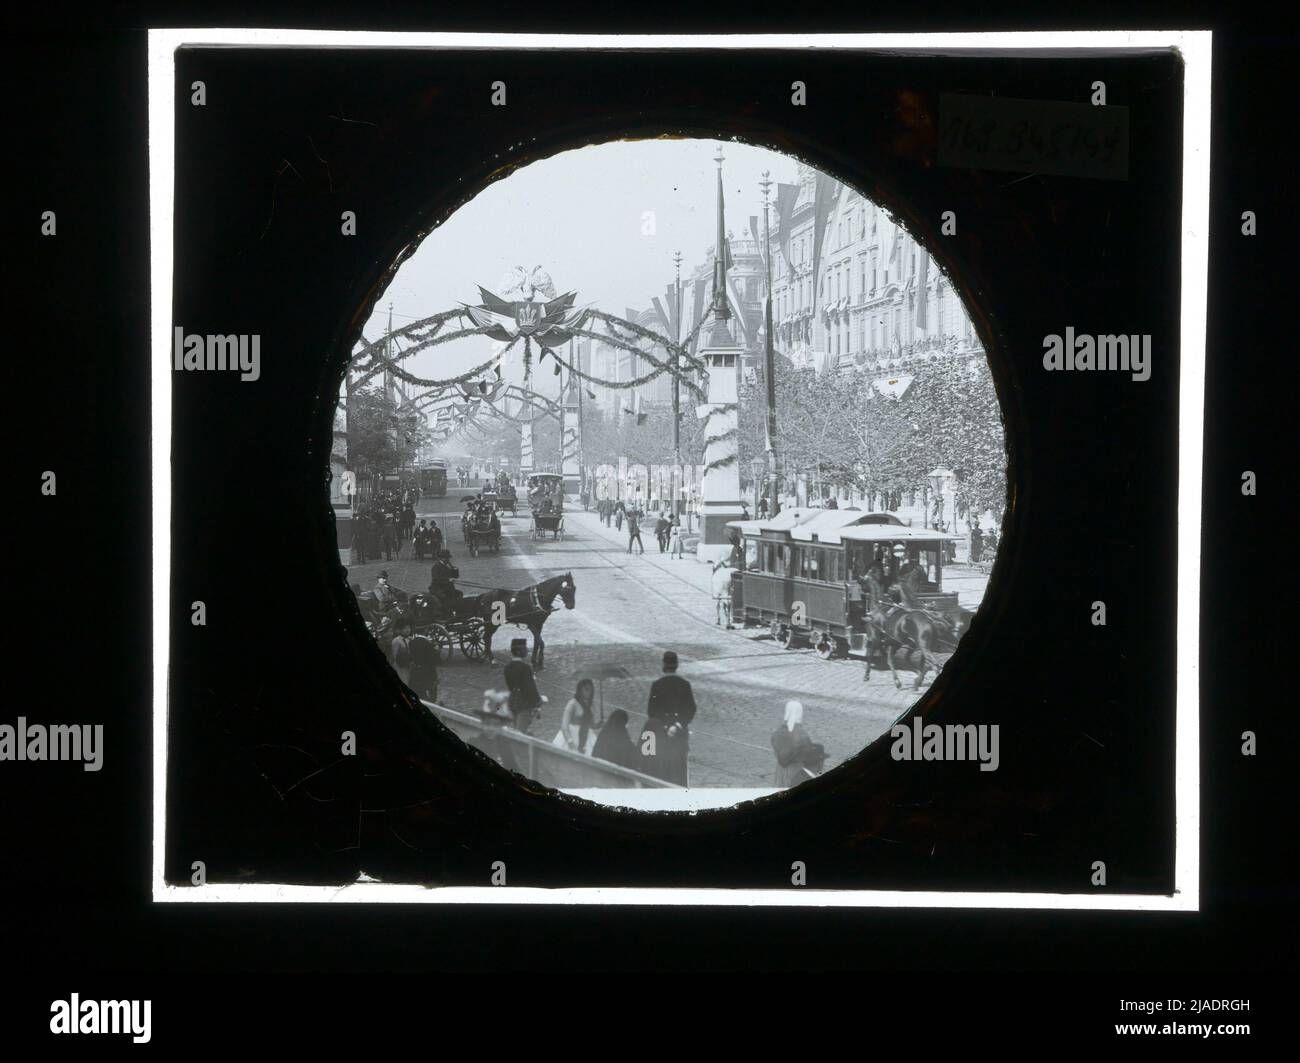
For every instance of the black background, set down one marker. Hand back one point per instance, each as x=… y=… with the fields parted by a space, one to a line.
x=79 y=843
x=269 y=685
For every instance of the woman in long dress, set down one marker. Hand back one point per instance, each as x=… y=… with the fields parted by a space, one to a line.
x=577 y=731
x=798 y=757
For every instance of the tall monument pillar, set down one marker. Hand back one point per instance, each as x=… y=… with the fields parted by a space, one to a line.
x=720 y=487
x=571 y=442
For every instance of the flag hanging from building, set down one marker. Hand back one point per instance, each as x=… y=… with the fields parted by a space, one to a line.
x=786 y=195
x=664 y=320
x=827 y=192
x=733 y=295
x=922 y=277
x=753 y=230
x=698 y=312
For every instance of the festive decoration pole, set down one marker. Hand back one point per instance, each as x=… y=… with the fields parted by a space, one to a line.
x=720 y=490
x=570 y=437
x=769 y=358
x=677 y=390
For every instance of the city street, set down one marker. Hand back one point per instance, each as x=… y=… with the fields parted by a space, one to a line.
x=629 y=610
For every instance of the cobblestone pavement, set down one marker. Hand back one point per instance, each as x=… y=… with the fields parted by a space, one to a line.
x=629 y=610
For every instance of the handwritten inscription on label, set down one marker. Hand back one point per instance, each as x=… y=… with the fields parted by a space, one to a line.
x=1033 y=136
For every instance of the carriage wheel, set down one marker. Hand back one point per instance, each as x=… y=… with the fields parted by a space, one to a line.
x=786 y=638
x=825 y=647
x=472 y=643
x=441 y=639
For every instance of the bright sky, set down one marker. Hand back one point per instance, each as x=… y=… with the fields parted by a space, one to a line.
x=580 y=216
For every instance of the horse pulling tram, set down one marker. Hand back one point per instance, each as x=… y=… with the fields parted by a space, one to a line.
x=849 y=584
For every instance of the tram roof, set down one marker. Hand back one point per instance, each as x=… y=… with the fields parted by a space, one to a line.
x=891 y=533
x=804 y=522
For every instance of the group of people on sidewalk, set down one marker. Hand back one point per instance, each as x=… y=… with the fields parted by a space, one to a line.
x=663 y=746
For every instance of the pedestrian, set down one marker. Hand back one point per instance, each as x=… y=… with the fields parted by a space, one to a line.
x=634 y=533
x=400 y=649
x=577 y=732
x=620 y=511
x=976 y=541
x=670 y=710
x=762 y=508
x=418 y=541
x=675 y=548
x=615 y=745
x=358 y=552
x=435 y=539
x=525 y=699
x=424 y=668
x=720 y=583
x=798 y=757
x=390 y=537
x=661 y=532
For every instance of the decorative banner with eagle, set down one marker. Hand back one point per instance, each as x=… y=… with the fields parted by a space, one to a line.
x=527 y=308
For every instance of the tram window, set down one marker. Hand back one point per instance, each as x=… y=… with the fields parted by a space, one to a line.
x=751 y=554
x=776 y=562
x=929 y=560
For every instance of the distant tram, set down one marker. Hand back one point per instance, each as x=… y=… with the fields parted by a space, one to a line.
x=433 y=479
x=817 y=558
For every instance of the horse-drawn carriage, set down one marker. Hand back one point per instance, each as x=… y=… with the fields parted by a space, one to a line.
x=507 y=499
x=481 y=527
x=546 y=505
x=430 y=619
x=849 y=583
x=547 y=522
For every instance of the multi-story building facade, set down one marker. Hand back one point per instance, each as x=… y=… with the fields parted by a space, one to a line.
x=877 y=300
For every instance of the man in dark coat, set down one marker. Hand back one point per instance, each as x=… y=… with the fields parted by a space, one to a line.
x=668 y=715
x=442 y=586
x=661 y=532
x=391 y=542
x=525 y=699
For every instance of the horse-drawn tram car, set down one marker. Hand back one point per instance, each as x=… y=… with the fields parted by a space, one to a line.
x=840 y=580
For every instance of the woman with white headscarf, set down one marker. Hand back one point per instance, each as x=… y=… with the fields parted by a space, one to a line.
x=798 y=757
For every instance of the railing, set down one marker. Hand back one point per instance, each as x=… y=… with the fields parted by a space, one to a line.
x=561 y=769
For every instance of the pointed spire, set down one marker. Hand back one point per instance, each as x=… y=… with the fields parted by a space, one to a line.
x=721 y=336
